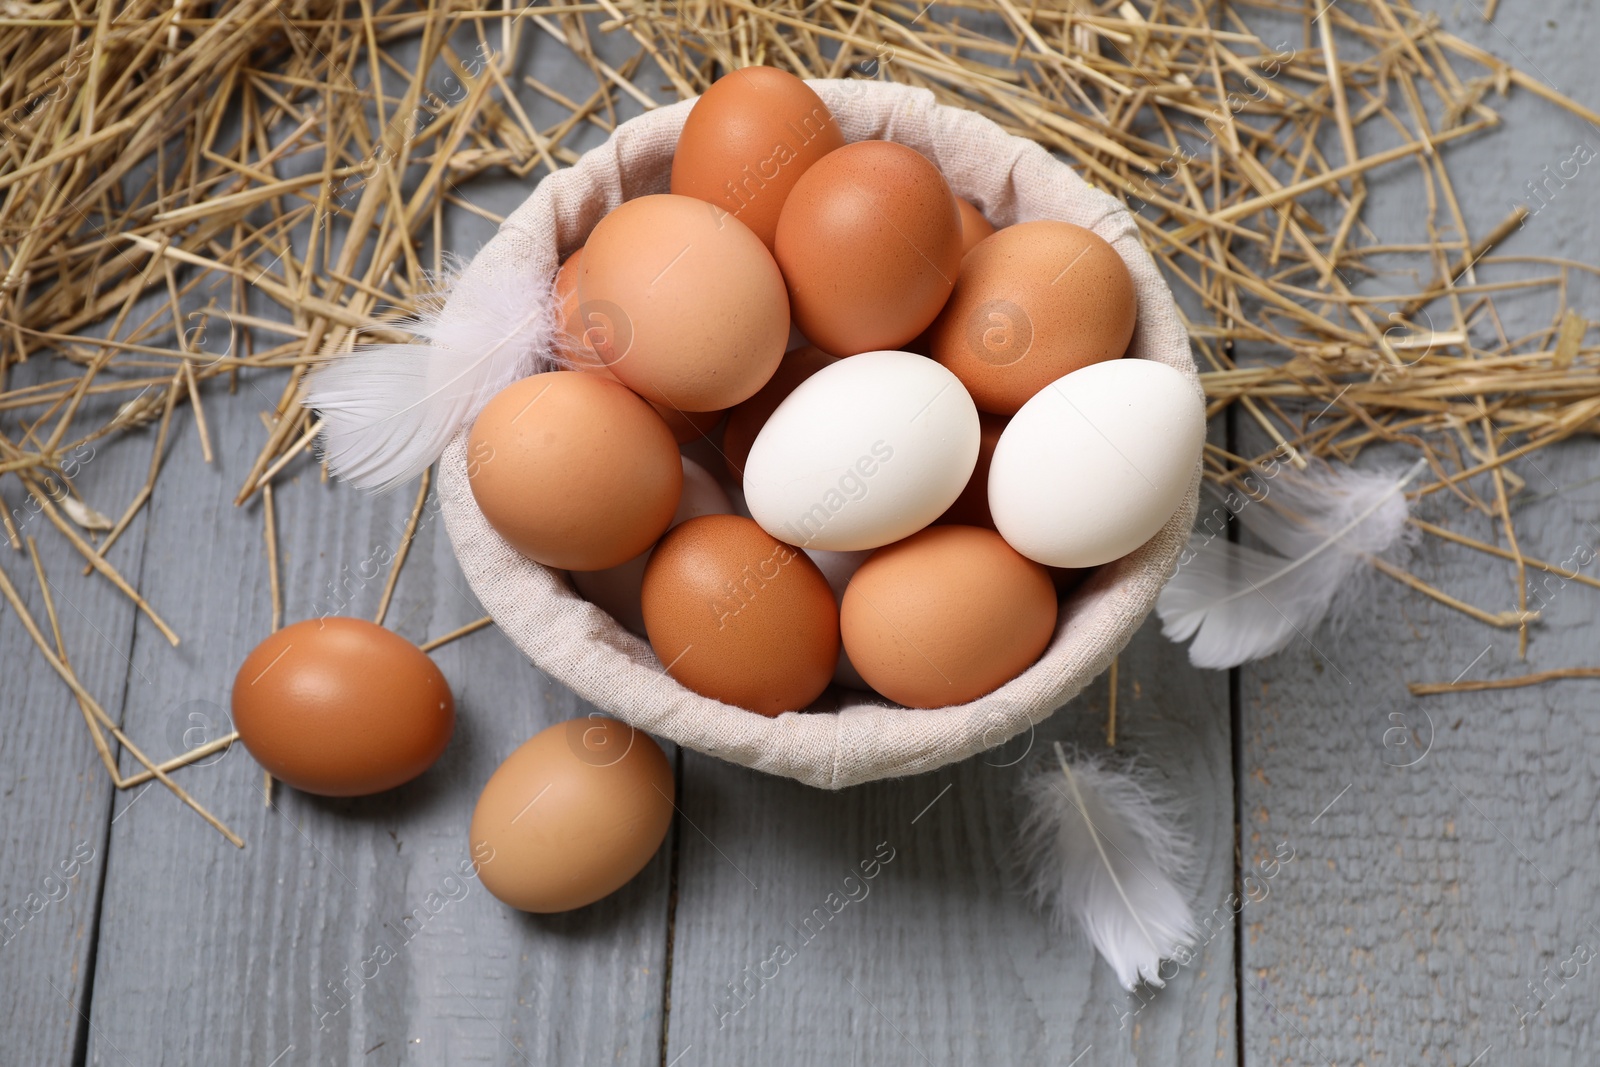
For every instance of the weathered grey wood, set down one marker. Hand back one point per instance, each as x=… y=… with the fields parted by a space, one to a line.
x=209 y=954
x=1446 y=845
x=57 y=795
x=941 y=961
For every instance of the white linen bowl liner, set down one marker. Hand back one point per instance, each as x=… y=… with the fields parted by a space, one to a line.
x=848 y=737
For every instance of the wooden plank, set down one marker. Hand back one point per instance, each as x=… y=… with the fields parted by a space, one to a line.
x=939 y=960
x=276 y=954
x=56 y=789
x=1446 y=866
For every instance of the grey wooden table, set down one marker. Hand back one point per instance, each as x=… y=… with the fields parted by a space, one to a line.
x=1438 y=909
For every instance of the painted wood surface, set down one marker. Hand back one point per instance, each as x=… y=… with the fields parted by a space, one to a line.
x=1445 y=845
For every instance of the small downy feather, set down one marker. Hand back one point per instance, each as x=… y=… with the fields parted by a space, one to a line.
x=389 y=410
x=1319 y=525
x=1104 y=852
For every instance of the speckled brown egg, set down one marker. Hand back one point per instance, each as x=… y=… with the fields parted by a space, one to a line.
x=972 y=506
x=683 y=302
x=572 y=815
x=945 y=616
x=870 y=245
x=1034 y=302
x=342 y=707
x=974 y=227
x=574 y=470
x=739 y=616
x=746 y=420
x=746 y=142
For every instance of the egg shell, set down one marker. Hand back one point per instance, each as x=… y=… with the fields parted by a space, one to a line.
x=870 y=245
x=746 y=419
x=615 y=590
x=837 y=568
x=1034 y=301
x=1093 y=466
x=974 y=227
x=971 y=508
x=862 y=453
x=945 y=616
x=746 y=142
x=683 y=302
x=342 y=707
x=572 y=815
x=574 y=470
x=739 y=616
x=576 y=354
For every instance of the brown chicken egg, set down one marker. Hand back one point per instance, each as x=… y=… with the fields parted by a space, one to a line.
x=974 y=227
x=870 y=245
x=686 y=426
x=1035 y=301
x=972 y=506
x=683 y=303
x=574 y=470
x=572 y=815
x=342 y=707
x=945 y=616
x=746 y=142
x=746 y=420
x=739 y=616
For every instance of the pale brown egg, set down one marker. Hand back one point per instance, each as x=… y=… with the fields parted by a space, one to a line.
x=686 y=426
x=974 y=227
x=683 y=302
x=1035 y=301
x=746 y=142
x=572 y=815
x=972 y=506
x=342 y=707
x=739 y=616
x=746 y=420
x=574 y=470
x=945 y=616
x=870 y=245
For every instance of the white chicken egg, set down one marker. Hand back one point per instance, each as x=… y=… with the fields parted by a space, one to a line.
x=864 y=452
x=1096 y=462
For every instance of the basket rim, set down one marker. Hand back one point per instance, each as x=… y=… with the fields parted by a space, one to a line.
x=576 y=643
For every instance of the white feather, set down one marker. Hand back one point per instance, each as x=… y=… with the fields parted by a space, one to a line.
x=1241 y=603
x=389 y=410
x=1102 y=851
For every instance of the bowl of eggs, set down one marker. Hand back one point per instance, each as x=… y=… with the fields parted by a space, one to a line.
x=857 y=435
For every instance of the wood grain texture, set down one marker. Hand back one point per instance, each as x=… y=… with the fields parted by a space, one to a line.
x=57 y=795
x=1446 y=845
x=281 y=953
x=937 y=959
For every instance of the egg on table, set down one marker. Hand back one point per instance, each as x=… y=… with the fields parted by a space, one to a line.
x=342 y=707
x=572 y=815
